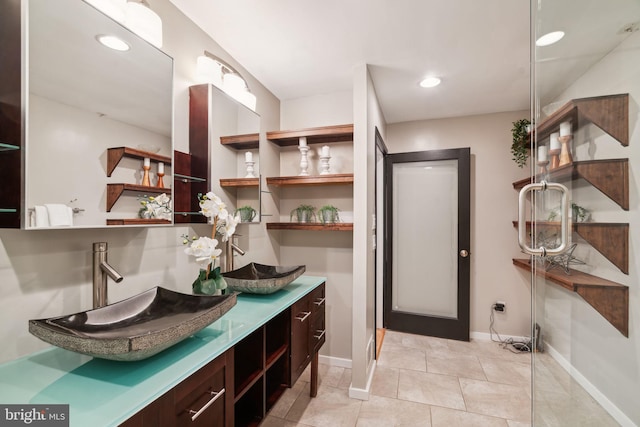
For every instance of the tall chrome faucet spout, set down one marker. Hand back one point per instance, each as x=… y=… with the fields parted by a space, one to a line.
x=229 y=249
x=102 y=269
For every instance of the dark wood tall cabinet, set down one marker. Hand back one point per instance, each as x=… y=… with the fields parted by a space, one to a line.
x=11 y=107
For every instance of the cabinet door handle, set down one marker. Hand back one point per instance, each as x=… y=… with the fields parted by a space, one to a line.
x=319 y=337
x=304 y=314
x=319 y=302
x=216 y=395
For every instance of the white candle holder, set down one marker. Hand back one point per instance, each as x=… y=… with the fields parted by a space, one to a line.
x=324 y=165
x=304 y=162
x=250 y=169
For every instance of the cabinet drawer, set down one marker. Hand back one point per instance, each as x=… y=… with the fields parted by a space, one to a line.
x=317 y=299
x=318 y=331
x=200 y=399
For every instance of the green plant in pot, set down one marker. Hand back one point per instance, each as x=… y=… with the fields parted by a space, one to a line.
x=303 y=213
x=246 y=213
x=521 y=144
x=328 y=214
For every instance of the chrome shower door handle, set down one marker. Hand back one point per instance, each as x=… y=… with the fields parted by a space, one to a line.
x=564 y=218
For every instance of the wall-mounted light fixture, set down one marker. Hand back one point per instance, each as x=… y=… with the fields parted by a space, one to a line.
x=135 y=15
x=214 y=70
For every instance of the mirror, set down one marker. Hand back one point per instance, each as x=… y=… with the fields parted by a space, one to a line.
x=235 y=132
x=84 y=99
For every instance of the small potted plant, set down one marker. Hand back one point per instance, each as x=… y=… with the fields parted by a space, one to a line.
x=303 y=213
x=328 y=214
x=521 y=144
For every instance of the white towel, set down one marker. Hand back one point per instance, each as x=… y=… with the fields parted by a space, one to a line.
x=59 y=215
x=41 y=217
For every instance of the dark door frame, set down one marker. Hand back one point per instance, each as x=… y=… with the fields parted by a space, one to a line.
x=432 y=325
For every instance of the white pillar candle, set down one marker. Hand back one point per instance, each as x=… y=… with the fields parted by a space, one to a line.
x=303 y=141
x=160 y=167
x=553 y=141
x=542 y=153
x=325 y=151
x=565 y=128
x=248 y=156
x=147 y=162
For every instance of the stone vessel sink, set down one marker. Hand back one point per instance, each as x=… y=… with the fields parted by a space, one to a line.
x=135 y=328
x=262 y=279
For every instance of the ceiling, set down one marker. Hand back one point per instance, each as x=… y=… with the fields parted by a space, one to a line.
x=480 y=49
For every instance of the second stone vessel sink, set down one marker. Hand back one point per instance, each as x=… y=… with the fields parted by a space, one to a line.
x=135 y=328
x=257 y=278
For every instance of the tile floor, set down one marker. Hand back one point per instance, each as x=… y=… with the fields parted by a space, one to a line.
x=426 y=382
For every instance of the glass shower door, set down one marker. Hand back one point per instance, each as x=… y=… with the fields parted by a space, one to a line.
x=585 y=92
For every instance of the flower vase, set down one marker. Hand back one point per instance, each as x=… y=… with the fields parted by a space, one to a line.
x=209 y=282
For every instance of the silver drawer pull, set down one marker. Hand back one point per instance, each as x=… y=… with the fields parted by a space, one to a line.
x=319 y=337
x=216 y=396
x=319 y=302
x=304 y=314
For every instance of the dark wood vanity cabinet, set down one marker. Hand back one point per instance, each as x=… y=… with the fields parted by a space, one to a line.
x=203 y=399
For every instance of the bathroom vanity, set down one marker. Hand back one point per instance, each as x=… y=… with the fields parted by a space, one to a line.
x=231 y=373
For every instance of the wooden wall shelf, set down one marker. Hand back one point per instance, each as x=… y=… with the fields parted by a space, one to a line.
x=610 y=113
x=317 y=135
x=335 y=179
x=114 y=191
x=608 y=298
x=611 y=177
x=310 y=226
x=114 y=155
x=138 y=221
x=239 y=182
x=248 y=141
x=609 y=238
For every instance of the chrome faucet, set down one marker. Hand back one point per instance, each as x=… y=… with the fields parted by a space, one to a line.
x=102 y=269
x=229 y=249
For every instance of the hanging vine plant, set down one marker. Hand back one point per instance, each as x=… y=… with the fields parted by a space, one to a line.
x=520 y=147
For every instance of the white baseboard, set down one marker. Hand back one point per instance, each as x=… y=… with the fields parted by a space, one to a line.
x=363 y=393
x=608 y=406
x=483 y=336
x=334 y=361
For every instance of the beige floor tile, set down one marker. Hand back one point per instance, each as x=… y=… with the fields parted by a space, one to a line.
x=393 y=337
x=482 y=348
x=397 y=356
x=283 y=405
x=445 y=417
x=345 y=380
x=448 y=362
x=506 y=371
x=331 y=407
x=497 y=400
x=512 y=423
x=432 y=389
x=385 y=382
x=271 y=421
x=385 y=412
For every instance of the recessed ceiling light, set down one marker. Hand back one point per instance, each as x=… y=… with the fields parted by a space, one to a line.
x=113 y=42
x=430 y=82
x=550 y=38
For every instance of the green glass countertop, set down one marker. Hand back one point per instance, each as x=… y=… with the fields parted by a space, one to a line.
x=106 y=393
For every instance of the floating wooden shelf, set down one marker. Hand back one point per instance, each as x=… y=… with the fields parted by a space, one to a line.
x=611 y=177
x=241 y=142
x=610 y=113
x=239 y=182
x=318 y=135
x=608 y=298
x=138 y=221
x=335 y=179
x=310 y=226
x=114 y=155
x=609 y=238
x=114 y=191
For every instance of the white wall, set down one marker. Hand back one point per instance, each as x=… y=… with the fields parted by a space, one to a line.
x=493 y=208
x=595 y=349
x=48 y=273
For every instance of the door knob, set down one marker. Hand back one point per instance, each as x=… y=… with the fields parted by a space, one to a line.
x=464 y=253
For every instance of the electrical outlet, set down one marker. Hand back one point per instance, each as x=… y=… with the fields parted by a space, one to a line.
x=500 y=306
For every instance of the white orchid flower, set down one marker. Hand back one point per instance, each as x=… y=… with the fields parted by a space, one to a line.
x=229 y=227
x=205 y=250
